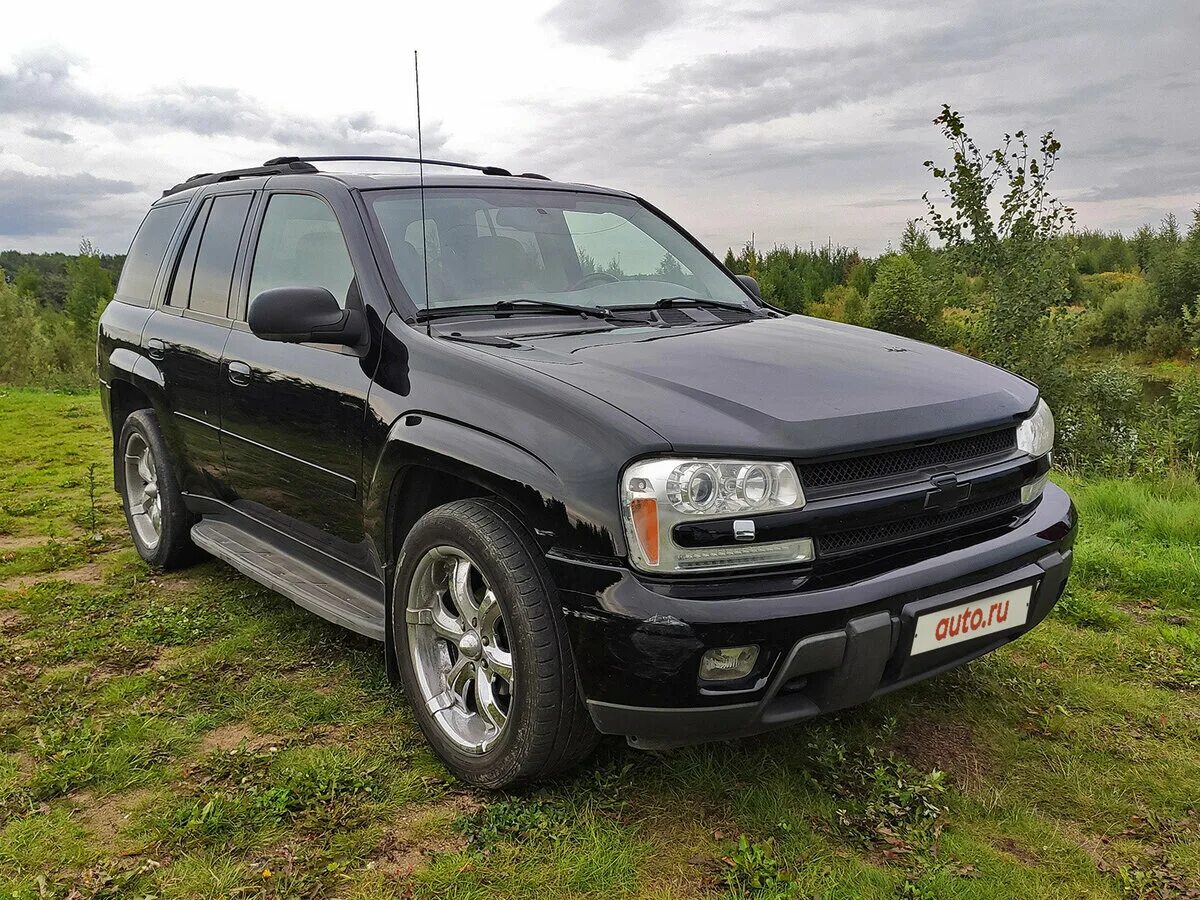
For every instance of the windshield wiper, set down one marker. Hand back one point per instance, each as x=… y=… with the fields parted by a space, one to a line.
x=521 y=303
x=668 y=302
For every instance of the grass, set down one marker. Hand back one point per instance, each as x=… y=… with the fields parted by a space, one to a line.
x=195 y=735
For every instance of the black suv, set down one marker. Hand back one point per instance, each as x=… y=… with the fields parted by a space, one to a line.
x=575 y=475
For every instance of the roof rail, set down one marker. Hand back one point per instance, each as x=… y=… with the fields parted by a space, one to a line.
x=299 y=165
x=281 y=166
x=486 y=170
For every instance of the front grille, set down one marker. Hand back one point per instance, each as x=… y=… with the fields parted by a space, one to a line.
x=892 y=463
x=902 y=529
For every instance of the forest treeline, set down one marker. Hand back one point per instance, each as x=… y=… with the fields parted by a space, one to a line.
x=995 y=267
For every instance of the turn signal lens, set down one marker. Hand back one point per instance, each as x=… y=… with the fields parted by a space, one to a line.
x=1033 y=490
x=645 y=526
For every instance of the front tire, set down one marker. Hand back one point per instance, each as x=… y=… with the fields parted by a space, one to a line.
x=482 y=648
x=159 y=523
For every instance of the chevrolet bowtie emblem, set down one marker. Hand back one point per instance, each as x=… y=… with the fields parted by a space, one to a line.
x=948 y=492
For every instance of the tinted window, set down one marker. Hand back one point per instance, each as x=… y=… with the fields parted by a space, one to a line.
x=301 y=245
x=489 y=244
x=182 y=285
x=147 y=252
x=213 y=273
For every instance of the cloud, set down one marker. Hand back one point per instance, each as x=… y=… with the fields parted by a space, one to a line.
x=46 y=83
x=1161 y=180
x=43 y=133
x=49 y=204
x=619 y=26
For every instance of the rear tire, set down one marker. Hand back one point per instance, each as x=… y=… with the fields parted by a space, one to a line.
x=473 y=600
x=159 y=523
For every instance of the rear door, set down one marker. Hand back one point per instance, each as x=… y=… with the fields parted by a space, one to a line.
x=292 y=414
x=186 y=336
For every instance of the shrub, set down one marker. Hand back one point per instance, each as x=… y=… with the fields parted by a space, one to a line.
x=1186 y=398
x=900 y=300
x=1191 y=325
x=41 y=346
x=1098 y=423
x=1125 y=315
x=1165 y=338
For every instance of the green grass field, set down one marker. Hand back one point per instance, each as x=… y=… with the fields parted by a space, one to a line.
x=194 y=735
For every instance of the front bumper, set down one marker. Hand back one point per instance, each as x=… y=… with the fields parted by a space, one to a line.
x=637 y=648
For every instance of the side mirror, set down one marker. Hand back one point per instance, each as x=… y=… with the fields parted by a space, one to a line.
x=751 y=285
x=304 y=315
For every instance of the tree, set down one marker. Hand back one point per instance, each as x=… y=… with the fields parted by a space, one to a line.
x=900 y=300
x=1025 y=266
x=28 y=281
x=89 y=287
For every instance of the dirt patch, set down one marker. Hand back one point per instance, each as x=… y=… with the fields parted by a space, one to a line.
x=1018 y=851
x=420 y=833
x=104 y=817
x=9 y=618
x=88 y=574
x=949 y=746
x=232 y=736
x=9 y=543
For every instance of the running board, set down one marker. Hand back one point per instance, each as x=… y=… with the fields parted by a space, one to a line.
x=291 y=575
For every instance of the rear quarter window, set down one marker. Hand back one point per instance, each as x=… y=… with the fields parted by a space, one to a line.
x=146 y=254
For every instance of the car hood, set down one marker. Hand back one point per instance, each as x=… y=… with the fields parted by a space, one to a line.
x=792 y=386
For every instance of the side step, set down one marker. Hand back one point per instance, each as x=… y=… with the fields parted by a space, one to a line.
x=293 y=576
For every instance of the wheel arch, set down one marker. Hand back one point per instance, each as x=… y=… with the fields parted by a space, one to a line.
x=428 y=461
x=134 y=383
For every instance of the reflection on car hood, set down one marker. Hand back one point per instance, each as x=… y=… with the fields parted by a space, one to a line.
x=794 y=386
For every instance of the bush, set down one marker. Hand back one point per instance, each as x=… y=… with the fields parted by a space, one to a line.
x=1126 y=314
x=1186 y=399
x=1165 y=339
x=1097 y=426
x=42 y=348
x=900 y=300
x=840 y=304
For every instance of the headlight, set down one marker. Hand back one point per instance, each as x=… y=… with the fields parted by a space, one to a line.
x=658 y=494
x=1036 y=434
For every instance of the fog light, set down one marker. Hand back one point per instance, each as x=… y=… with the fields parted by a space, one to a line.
x=728 y=663
x=1033 y=490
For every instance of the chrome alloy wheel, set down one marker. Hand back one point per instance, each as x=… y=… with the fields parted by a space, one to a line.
x=460 y=649
x=141 y=489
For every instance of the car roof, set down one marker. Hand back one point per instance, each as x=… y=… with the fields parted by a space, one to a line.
x=435 y=177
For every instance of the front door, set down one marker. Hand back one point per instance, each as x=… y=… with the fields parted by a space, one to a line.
x=292 y=414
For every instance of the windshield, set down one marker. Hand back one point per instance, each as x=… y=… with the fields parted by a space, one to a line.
x=491 y=244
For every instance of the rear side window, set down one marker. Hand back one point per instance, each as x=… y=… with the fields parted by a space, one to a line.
x=213 y=273
x=146 y=254
x=301 y=245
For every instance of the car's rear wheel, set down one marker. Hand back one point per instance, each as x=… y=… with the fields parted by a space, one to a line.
x=482 y=648
x=159 y=523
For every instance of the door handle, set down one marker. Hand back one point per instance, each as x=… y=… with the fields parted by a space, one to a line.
x=155 y=348
x=239 y=373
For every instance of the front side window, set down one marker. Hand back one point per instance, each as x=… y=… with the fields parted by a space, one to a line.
x=489 y=244
x=146 y=253
x=301 y=245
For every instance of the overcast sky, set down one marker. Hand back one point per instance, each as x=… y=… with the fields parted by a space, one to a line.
x=794 y=121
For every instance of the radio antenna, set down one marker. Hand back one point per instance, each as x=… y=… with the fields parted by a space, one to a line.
x=421 y=181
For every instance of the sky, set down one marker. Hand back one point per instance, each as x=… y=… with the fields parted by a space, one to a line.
x=786 y=122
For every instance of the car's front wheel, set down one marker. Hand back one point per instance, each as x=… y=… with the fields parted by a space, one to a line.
x=482 y=648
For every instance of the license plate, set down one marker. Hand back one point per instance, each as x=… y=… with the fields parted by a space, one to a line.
x=987 y=615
